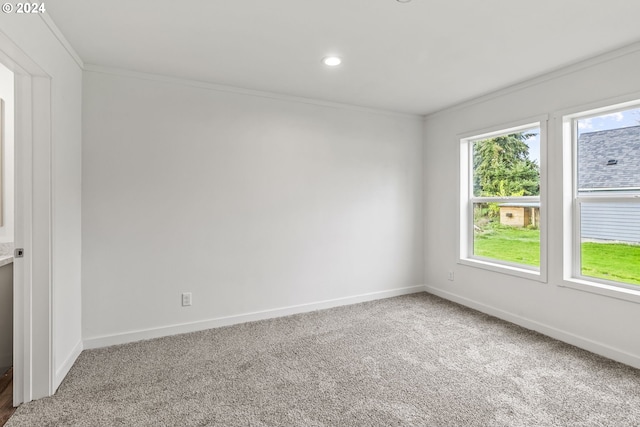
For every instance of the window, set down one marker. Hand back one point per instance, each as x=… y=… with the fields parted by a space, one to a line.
x=606 y=195
x=501 y=207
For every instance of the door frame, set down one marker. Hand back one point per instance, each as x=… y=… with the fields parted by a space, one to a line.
x=32 y=302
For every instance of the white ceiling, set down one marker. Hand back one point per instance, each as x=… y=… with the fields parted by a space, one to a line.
x=415 y=57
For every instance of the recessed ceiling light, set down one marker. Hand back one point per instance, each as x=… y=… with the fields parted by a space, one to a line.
x=331 y=61
x=403 y=1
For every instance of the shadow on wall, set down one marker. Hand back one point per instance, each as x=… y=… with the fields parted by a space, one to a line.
x=6 y=317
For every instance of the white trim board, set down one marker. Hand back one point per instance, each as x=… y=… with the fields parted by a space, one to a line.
x=550 y=331
x=131 y=336
x=32 y=322
x=64 y=369
x=61 y=39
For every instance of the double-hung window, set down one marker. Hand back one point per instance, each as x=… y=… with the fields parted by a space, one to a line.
x=605 y=203
x=500 y=205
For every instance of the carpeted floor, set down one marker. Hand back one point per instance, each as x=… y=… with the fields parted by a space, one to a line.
x=411 y=360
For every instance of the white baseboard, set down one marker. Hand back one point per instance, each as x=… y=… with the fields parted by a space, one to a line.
x=131 y=336
x=63 y=370
x=568 y=337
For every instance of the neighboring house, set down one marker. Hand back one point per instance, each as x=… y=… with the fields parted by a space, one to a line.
x=611 y=221
x=610 y=160
x=607 y=160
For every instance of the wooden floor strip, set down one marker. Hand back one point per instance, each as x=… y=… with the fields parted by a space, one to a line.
x=6 y=378
x=6 y=397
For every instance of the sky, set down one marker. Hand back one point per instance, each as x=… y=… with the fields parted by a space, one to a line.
x=617 y=120
x=534 y=144
x=621 y=119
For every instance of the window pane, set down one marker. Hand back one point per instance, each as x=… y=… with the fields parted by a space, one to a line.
x=507 y=232
x=507 y=165
x=610 y=241
x=609 y=152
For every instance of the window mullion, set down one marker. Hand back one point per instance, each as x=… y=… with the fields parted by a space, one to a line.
x=518 y=199
x=608 y=199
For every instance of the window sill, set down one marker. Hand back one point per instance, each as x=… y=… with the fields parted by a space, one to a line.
x=603 y=289
x=504 y=269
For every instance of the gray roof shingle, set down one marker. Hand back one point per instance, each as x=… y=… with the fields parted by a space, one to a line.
x=596 y=149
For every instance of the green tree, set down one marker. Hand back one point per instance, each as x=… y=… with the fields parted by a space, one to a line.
x=502 y=167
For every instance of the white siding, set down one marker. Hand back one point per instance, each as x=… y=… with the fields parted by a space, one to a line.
x=611 y=221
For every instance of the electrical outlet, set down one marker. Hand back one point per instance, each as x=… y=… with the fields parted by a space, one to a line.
x=186 y=299
x=450 y=276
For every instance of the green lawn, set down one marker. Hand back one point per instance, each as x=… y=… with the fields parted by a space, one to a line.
x=518 y=245
x=613 y=261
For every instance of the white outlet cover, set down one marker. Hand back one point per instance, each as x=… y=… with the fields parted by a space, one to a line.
x=186 y=299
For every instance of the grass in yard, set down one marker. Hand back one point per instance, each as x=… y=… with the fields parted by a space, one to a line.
x=519 y=245
x=612 y=261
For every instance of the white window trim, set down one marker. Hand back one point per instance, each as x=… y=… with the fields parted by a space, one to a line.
x=572 y=277
x=466 y=200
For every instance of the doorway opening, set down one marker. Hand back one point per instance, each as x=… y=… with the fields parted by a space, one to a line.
x=32 y=372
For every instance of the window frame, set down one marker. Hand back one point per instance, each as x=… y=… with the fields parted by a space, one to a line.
x=467 y=200
x=572 y=240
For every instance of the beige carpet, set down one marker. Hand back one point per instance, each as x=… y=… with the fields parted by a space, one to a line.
x=412 y=360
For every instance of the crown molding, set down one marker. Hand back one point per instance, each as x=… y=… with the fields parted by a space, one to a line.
x=243 y=91
x=62 y=39
x=534 y=81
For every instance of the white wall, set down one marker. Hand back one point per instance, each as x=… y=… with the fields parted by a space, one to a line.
x=249 y=202
x=6 y=93
x=595 y=322
x=37 y=40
